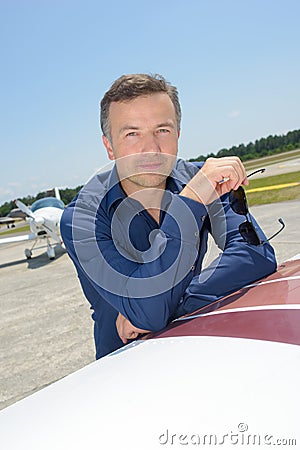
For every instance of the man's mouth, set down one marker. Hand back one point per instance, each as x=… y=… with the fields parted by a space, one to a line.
x=149 y=166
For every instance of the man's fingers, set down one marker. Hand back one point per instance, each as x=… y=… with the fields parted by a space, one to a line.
x=217 y=177
x=228 y=170
x=246 y=182
x=126 y=330
x=129 y=335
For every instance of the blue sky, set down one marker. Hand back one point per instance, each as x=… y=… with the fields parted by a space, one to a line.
x=236 y=64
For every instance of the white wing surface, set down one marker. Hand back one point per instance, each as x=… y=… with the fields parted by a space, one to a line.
x=25 y=237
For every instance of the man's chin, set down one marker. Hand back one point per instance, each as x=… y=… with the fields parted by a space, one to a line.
x=149 y=180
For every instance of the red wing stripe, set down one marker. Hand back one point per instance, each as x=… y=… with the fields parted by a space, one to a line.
x=233 y=310
x=277 y=280
x=279 y=325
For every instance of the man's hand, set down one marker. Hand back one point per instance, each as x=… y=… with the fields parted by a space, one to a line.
x=217 y=177
x=126 y=330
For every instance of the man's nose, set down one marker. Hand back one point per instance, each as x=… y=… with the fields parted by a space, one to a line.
x=150 y=143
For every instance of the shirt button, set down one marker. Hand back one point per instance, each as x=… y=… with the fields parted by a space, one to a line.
x=203 y=218
x=193 y=268
x=196 y=233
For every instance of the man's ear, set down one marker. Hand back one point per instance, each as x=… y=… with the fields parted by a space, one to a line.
x=108 y=147
x=178 y=133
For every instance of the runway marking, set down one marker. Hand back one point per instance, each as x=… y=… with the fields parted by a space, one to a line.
x=270 y=188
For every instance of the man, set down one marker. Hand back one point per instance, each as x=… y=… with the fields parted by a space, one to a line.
x=137 y=233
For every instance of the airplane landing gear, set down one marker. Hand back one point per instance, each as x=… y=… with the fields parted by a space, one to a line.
x=50 y=251
x=28 y=253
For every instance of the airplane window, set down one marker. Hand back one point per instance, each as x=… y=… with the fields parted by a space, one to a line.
x=46 y=202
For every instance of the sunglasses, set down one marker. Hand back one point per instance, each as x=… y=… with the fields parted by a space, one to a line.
x=238 y=203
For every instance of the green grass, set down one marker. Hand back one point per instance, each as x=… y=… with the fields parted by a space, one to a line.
x=276 y=195
x=15 y=230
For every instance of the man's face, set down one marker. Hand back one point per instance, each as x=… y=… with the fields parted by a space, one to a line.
x=144 y=140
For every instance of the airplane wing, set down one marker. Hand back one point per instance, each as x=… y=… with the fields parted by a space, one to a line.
x=9 y=220
x=227 y=374
x=25 y=237
x=15 y=215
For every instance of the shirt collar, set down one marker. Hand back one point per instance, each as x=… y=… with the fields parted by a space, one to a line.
x=178 y=177
x=175 y=183
x=115 y=191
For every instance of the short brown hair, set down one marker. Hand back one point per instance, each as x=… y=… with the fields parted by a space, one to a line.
x=129 y=87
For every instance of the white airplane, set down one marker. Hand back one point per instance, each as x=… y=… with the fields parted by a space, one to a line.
x=15 y=215
x=44 y=218
x=224 y=377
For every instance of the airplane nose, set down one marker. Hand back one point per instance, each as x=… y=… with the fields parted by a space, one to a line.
x=39 y=221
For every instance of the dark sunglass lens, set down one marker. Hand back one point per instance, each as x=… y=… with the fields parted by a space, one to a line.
x=238 y=202
x=248 y=233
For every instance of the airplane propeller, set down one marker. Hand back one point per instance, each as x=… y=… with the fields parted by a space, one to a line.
x=44 y=217
x=37 y=220
x=25 y=209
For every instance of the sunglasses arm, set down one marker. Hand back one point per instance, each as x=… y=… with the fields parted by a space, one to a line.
x=280 y=220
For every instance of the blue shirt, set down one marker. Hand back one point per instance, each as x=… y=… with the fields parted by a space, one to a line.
x=150 y=272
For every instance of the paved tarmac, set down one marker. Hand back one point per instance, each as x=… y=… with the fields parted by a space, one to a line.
x=288 y=162
x=287 y=166
x=45 y=323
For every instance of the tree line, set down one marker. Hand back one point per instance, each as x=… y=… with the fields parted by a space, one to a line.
x=261 y=147
x=66 y=195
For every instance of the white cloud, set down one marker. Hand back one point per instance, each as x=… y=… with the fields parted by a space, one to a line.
x=234 y=114
x=14 y=183
x=4 y=192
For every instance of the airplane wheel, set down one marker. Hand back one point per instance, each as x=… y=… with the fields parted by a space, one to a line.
x=28 y=253
x=51 y=253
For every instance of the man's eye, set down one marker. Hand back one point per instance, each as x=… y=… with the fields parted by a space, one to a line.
x=163 y=130
x=131 y=133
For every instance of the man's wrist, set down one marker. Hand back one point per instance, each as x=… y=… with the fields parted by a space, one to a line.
x=200 y=189
x=190 y=193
